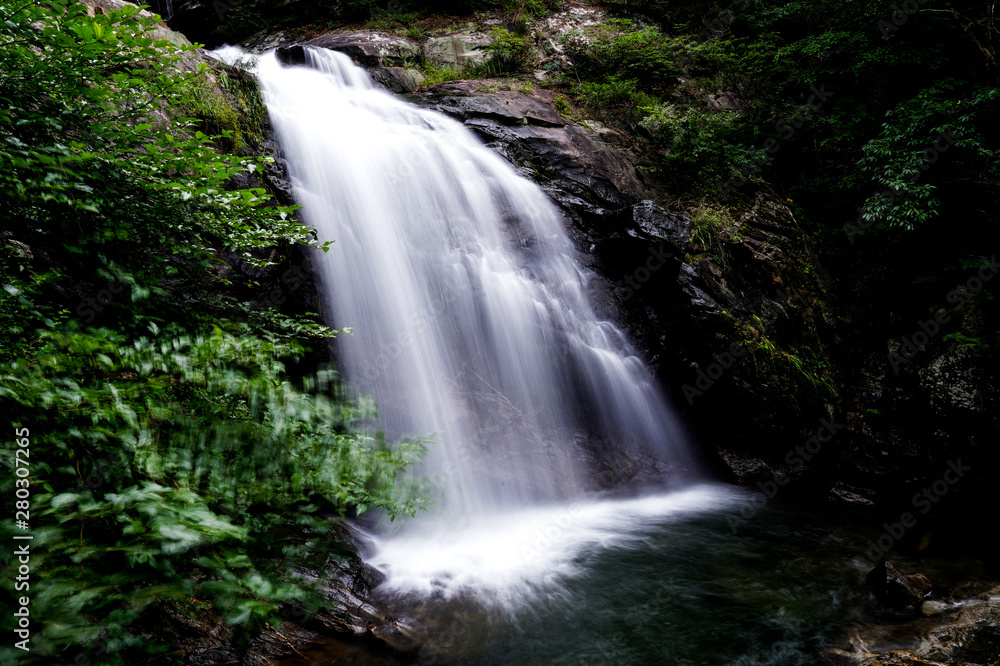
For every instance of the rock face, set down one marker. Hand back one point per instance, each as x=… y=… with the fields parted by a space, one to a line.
x=760 y=289
x=457 y=49
x=371 y=49
x=581 y=168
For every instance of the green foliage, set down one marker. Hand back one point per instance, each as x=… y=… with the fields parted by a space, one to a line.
x=509 y=53
x=622 y=50
x=393 y=20
x=707 y=225
x=229 y=105
x=616 y=98
x=810 y=371
x=917 y=135
x=980 y=347
x=173 y=455
x=169 y=467
x=435 y=74
x=699 y=146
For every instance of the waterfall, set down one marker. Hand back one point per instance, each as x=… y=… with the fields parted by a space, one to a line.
x=470 y=315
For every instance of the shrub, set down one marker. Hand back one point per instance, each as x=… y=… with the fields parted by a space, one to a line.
x=620 y=49
x=699 y=146
x=509 y=53
x=171 y=467
x=617 y=99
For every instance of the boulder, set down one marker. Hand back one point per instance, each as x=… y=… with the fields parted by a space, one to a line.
x=371 y=49
x=894 y=592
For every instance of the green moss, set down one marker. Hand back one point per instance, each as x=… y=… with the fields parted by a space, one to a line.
x=233 y=109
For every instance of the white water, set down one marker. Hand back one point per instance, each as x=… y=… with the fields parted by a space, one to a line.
x=509 y=557
x=472 y=323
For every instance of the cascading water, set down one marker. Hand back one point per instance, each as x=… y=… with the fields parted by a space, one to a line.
x=471 y=322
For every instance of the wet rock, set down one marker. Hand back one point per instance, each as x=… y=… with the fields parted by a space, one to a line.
x=851 y=495
x=896 y=592
x=969 y=636
x=656 y=221
x=268 y=40
x=371 y=49
x=473 y=99
x=408 y=78
x=747 y=469
x=289 y=56
x=898 y=658
x=973 y=637
x=389 y=59
x=581 y=168
x=681 y=309
x=952 y=383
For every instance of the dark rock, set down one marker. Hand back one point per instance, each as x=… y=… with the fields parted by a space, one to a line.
x=579 y=167
x=473 y=99
x=367 y=578
x=747 y=469
x=291 y=55
x=659 y=223
x=972 y=638
x=267 y=40
x=895 y=591
x=692 y=307
x=967 y=635
x=851 y=495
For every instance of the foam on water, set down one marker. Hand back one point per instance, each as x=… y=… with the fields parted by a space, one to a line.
x=509 y=557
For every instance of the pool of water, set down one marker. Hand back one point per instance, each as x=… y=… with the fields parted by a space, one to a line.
x=667 y=579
